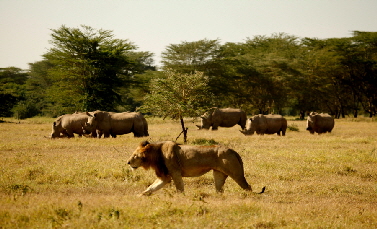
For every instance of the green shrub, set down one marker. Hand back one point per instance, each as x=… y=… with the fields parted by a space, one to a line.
x=203 y=141
x=293 y=127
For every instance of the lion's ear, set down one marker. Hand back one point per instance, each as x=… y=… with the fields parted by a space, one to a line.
x=144 y=143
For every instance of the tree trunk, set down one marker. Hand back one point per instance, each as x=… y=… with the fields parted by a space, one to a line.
x=302 y=115
x=184 y=131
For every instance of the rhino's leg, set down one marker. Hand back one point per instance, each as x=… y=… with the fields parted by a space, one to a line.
x=138 y=134
x=157 y=184
x=106 y=134
x=70 y=133
x=64 y=134
x=219 y=178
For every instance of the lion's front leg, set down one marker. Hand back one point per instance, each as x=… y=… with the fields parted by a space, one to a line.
x=157 y=184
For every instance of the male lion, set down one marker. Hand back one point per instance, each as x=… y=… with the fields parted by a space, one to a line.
x=173 y=161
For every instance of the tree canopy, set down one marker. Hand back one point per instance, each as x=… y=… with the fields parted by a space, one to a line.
x=89 y=69
x=12 y=89
x=178 y=95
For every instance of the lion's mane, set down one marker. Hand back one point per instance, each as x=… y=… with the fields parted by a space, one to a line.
x=152 y=158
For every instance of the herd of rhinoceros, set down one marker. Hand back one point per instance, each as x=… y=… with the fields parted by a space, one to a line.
x=98 y=123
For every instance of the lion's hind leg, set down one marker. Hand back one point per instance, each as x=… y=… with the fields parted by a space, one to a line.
x=178 y=181
x=233 y=167
x=239 y=177
x=241 y=181
x=219 y=178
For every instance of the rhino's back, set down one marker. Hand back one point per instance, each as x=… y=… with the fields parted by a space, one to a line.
x=121 y=123
x=324 y=121
x=74 y=121
x=229 y=117
x=275 y=123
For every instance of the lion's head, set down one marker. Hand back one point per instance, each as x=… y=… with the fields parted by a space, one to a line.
x=148 y=156
x=139 y=157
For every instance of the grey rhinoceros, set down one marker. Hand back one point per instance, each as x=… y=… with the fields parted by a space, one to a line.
x=226 y=117
x=69 y=124
x=320 y=123
x=111 y=123
x=266 y=124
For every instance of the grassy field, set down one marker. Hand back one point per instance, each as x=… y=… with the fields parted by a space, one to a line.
x=312 y=181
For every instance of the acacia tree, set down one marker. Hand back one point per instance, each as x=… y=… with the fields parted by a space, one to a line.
x=256 y=72
x=359 y=59
x=178 y=95
x=12 y=89
x=89 y=66
x=189 y=57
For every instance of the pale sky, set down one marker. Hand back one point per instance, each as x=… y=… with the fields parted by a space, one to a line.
x=152 y=25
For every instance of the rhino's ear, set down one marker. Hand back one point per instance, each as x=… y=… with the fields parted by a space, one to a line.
x=144 y=143
x=87 y=113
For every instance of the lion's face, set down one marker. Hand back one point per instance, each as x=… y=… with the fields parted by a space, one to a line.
x=137 y=159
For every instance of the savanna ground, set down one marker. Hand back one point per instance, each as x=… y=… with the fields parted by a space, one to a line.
x=312 y=181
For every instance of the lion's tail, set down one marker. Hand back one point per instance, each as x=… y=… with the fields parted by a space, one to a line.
x=263 y=189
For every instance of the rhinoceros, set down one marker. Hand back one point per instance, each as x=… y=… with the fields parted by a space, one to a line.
x=69 y=124
x=226 y=117
x=320 y=123
x=266 y=124
x=111 y=123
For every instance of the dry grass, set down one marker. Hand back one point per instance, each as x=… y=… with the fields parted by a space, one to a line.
x=326 y=181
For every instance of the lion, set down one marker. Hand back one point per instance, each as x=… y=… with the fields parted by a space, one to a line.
x=172 y=161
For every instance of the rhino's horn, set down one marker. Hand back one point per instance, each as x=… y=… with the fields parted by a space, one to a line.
x=199 y=127
x=244 y=132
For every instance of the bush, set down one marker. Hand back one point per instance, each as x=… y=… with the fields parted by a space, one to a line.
x=24 y=110
x=293 y=127
x=203 y=141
